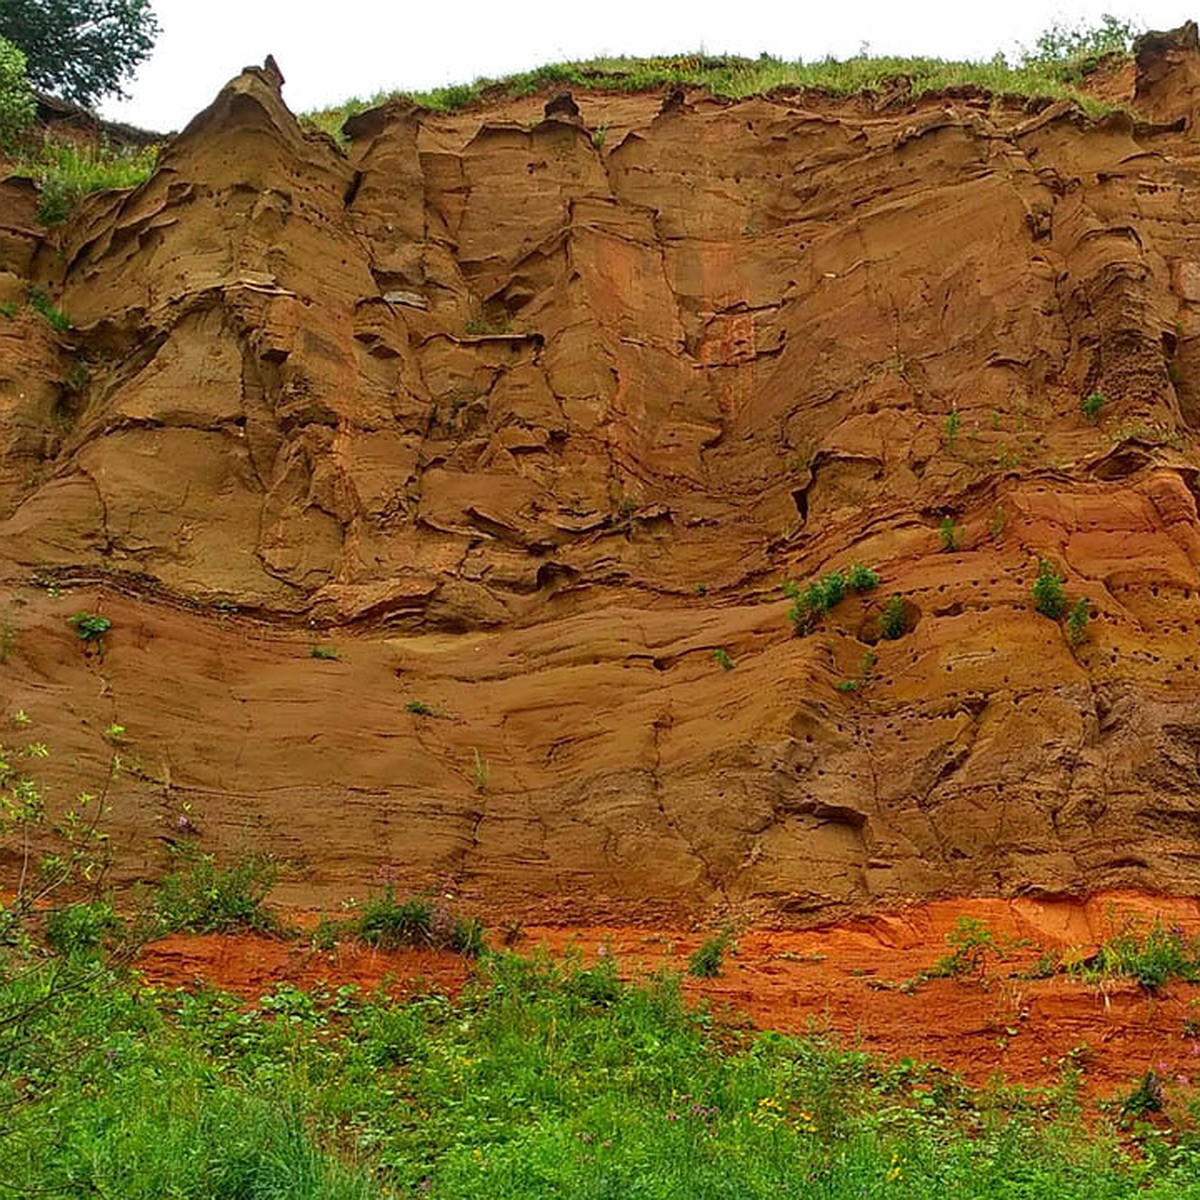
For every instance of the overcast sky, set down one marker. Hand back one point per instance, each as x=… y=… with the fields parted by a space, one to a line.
x=330 y=51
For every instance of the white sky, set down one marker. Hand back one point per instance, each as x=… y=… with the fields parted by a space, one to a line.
x=330 y=51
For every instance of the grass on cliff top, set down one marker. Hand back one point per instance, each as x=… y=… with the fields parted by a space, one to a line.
x=66 y=171
x=1055 y=68
x=543 y=1080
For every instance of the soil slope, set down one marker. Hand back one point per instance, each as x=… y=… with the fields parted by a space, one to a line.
x=528 y=410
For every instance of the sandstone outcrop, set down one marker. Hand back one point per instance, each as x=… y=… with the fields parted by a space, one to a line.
x=529 y=413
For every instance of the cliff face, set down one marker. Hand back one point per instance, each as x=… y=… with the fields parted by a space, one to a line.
x=528 y=415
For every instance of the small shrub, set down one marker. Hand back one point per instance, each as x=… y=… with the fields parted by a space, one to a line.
x=847 y=685
x=1048 y=595
x=970 y=942
x=91 y=627
x=1154 y=959
x=41 y=303
x=201 y=897
x=1146 y=1098
x=419 y=708
x=390 y=924
x=860 y=578
x=327 y=653
x=949 y=533
x=1077 y=621
x=81 y=929
x=833 y=588
x=722 y=659
x=812 y=602
x=1092 y=404
x=706 y=961
x=891 y=620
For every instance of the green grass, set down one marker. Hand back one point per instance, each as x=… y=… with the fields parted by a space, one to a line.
x=542 y=1080
x=66 y=172
x=1056 y=73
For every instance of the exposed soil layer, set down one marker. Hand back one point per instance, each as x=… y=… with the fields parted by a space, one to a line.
x=525 y=415
x=843 y=979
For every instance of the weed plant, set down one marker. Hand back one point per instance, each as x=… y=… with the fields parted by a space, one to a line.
x=390 y=923
x=201 y=896
x=1077 y=621
x=1152 y=958
x=708 y=958
x=41 y=303
x=811 y=602
x=1048 y=595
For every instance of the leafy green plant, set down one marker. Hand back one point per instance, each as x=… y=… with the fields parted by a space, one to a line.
x=91 y=627
x=1152 y=959
x=860 y=578
x=390 y=923
x=9 y=309
x=1048 y=596
x=41 y=303
x=420 y=708
x=327 y=653
x=1092 y=404
x=814 y=600
x=706 y=961
x=970 y=942
x=600 y=134
x=83 y=928
x=722 y=659
x=1077 y=621
x=201 y=896
x=949 y=533
x=892 y=620
x=17 y=106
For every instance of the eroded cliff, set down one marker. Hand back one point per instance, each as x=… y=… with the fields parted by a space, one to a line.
x=528 y=410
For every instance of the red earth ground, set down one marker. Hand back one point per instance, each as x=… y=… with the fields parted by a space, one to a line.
x=844 y=979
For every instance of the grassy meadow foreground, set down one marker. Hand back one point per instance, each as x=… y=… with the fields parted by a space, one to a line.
x=544 y=1077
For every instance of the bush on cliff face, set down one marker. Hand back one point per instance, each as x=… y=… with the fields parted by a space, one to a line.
x=16 y=96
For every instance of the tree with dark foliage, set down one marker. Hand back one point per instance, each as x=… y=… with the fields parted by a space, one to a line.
x=80 y=50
